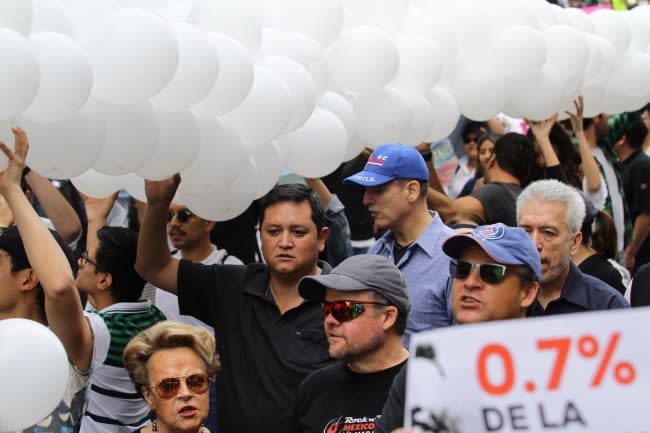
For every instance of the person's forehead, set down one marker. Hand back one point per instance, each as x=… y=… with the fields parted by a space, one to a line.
x=177 y=207
x=544 y=212
x=288 y=213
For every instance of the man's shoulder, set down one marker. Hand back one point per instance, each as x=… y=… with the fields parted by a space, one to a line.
x=600 y=294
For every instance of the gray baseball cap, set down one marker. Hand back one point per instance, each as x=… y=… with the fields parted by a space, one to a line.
x=357 y=273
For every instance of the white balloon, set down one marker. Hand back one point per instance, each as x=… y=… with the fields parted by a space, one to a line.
x=544 y=12
x=221 y=153
x=29 y=350
x=151 y=5
x=480 y=92
x=318 y=146
x=269 y=163
x=420 y=63
x=302 y=89
x=178 y=145
x=95 y=184
x=235 y=78
x=342 y=108
x=612 y=26
x=86 y=14
x=363 y=59
x=384 y=116
x=131 y=138
x=630 y=82
x=321 y=20
x=601 y=63
x=51 y=16
x=197 y=71
x=17 y=15
x=537 y=97
x=66 y=77
x=116 y=46
x=134 y=185
x=51 y=144
x=434 y=27
x=231 y=17
x=514 y=13
x=266 y=111
x=579 y=20
x=639 y=21
x=422 y=120
x=526 y=50
x=567 y=50
x=445 y=113
x=477 y=32
x=20 y=75
x=595 y=97
x=296 y=46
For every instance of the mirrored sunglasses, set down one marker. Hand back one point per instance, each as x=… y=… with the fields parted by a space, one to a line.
x=167 y=388
x=491 y=273
x=344 y=311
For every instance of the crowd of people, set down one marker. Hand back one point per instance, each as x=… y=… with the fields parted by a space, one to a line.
x=308 y=328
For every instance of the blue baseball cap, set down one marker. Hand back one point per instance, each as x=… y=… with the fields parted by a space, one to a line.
x=389 y=162
x=504 y=244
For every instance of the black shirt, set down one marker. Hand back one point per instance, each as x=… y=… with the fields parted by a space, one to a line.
x=599 y=267
x=499 y=202
x=335 y=399
x=640 y=290
x=635 y=172
x=264 y=355
x=581 y=293
x=392 y=414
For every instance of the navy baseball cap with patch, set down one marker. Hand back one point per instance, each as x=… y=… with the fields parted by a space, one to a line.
x=389 y=162
x=504 y=244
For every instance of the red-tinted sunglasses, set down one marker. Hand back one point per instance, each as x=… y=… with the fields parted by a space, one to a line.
x=344 y=311
x=167 y=388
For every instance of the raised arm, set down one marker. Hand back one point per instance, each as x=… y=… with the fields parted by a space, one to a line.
x=541 y=130
x=154 y=263
x=63 y=216
x=97 y=210
x=589 y=165
x=49 y=263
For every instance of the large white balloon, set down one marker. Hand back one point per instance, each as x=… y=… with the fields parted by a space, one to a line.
x=639 y=21
x=537 y=97
x=363 y=59
x=233 y=18
x=86 y=14
x=51 y=16
x=318 y=146
x=480 y=92
x=134 y=185
x=266 y=111
x=117 y=47
x=579 y=20
x=51 y=144
x=131 y=137
x=269 y=163
x=29 y=350
x=197 y=71
x=525 y=48
x=220 y=154
x=342 y=108
x=321 y=20
x=384 y=116
x=296 y=46
x=178 y=145
x=567 y=50
x=20 y=75
x=612 y=26
x=95 y=184
x=66 y=77
x=445 y=113
x=302 y=89
x=235 y=78
x=601 y=63
x=420 y=63
x=422 y=120
x=434 y=27
x=17 y=15
x=629 y=87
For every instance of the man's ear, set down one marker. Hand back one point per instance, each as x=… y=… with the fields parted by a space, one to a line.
x=413 y=190
x=529 y=294
x=390 y=317
x=322 y=237
x=105 y=281
x=27 y=278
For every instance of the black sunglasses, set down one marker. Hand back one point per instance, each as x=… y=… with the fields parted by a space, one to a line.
x=491 y=273
x=198 y=383
x=182 y=215
x=344 y=311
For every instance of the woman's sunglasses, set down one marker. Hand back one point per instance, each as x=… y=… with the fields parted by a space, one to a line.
x=167 y=388
x=182 y=215
x=344 y=311
x=491 y=273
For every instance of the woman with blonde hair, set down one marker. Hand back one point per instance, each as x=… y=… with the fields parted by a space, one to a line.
x=172 y=365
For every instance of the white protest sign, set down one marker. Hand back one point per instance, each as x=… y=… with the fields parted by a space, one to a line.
x=586 y=373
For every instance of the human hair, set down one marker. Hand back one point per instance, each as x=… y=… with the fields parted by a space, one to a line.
x=555 y=191
x=515 y=155
x=168 y=335
x=604 y=237
x=587 y=122
x=424 y=186
x=400 y=322
x=567 y=154
x=116 y=255
x=474 y=127
x=635 y=134
x=527 y=276
x=487 y=135
x=296 y=193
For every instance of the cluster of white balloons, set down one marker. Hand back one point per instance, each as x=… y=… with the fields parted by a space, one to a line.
x=230 y=92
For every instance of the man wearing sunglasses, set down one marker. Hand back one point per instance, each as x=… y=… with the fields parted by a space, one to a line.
x=496 y=271
x=269 y=338
x=395 y=179
x=552 y=213
x=365 y=301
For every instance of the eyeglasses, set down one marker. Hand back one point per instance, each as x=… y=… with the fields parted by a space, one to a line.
x=491 y=273
x=344 y=311
x=84 y=260
x=471 y=139
x=182 y=215
x=198 y=383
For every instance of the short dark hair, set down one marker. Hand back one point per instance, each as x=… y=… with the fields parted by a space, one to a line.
x=527 y=276
x=424 y=185
x=474 y=127
x=116 y=255
x=297 y=193
x=635 y=134
x=514 y=153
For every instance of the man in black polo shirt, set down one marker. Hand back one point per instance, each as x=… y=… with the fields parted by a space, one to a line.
x=635 y=171
x=552 y=212
x=268 y=337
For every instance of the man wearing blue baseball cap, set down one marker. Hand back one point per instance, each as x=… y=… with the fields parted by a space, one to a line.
x=496 y=270
x=395 y=179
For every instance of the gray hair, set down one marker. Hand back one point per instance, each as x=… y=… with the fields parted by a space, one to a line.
x=554 y=190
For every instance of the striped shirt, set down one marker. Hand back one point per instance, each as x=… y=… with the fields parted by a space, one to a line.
x=426 y=271
x=114 y=405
